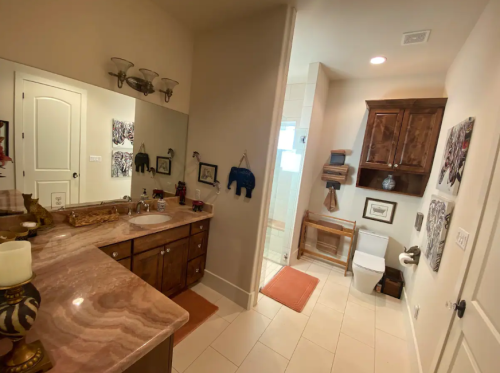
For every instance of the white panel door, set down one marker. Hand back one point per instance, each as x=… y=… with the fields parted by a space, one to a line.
x=474 y=342
x=51 y=125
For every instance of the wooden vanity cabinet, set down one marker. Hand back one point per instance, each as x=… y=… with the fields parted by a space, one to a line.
x=400 y=139
x=175 y=261
x=149 y=266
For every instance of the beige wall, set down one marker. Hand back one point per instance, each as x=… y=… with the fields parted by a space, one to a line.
x=77 y=39
x=473 y=88
x=159 y=129
x=235 y=84
x=344 y=128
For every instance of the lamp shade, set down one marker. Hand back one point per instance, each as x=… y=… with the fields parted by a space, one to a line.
x=121 y=64
x=148 y=74
x=169 y=83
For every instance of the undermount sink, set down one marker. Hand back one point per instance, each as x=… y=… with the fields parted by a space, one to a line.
x=150 y=219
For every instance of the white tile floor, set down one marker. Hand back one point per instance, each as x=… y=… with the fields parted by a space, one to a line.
x=268 y=271
x=339 y=331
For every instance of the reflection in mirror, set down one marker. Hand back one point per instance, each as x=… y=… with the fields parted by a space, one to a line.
x=73 y=143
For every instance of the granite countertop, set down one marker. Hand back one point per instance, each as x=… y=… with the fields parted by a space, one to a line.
x=95 y=315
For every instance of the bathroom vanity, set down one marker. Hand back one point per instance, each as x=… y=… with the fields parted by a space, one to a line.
x=169 y=260
x=105 y=288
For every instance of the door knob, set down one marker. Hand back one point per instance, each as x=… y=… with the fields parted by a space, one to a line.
x=395 y=165
x=389 y=164
x=162 y=252
x=168 y=250
x=75 y=175
x=197 y=270
x=199 y=246
x=115 y=254
x=460 y=308
x=201 y=226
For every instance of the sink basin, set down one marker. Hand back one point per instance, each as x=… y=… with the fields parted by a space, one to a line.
x=150 y=219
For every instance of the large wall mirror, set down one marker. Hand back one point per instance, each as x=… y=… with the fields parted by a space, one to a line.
x=73 y=143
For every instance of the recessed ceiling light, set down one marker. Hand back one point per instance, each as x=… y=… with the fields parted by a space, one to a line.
x=378 y=60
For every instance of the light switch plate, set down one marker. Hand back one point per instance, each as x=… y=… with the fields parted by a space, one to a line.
x=462 y=238
x=58 y=199
x=95 y=158
x=416 y=310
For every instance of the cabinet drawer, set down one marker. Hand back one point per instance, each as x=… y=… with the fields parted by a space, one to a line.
x=126 y=263
x=162 y=238
x=199 y=226
x=197 y=245
x=118 y=250
x=195 y=270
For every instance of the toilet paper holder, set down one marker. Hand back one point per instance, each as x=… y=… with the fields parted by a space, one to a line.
x=414 y=252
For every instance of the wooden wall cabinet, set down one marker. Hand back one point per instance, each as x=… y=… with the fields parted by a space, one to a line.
x=170 y=260
x=400 y=139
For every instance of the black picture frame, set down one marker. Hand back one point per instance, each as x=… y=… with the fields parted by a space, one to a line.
x=169 y=165
x=4 y=132
x=203 y=178
x=387 y=221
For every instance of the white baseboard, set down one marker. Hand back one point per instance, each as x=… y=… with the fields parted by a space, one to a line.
x=412 y=342
x=228 y=289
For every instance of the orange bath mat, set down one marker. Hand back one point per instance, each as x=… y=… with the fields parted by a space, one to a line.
x=199 y=310
x=291 y=288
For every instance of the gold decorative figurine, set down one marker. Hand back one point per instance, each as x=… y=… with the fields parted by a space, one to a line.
x=43 y=217
x=18 y=313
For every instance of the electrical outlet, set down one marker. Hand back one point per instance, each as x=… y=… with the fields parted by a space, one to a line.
x=416 y=310
x=95 y=158
x=58 y=199
x=462 y=238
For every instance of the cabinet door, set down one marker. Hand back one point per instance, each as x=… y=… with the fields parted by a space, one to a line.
x=196 y=269
x=174 y=266
x=381 y=138
x=148 y=266
x=197 y=245
x=418 y=139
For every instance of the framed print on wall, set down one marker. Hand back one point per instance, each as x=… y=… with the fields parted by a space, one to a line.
x=379 y=210
x=4 y=136
x=207 y=173
x=163 y=165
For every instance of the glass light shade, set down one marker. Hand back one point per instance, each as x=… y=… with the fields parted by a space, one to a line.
x=378 y=60
x=148 y=74
x=121 y=64
x=169 y=83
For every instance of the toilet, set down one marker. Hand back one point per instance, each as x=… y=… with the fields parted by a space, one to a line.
x=368 y=264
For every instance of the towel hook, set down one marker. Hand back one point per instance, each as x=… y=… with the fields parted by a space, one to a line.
x=244 y=157
x=197 y=156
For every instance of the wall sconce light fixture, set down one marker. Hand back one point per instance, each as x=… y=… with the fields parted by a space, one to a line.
x=144 y=85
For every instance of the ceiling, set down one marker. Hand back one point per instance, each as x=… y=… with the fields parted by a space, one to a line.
x=344 y=35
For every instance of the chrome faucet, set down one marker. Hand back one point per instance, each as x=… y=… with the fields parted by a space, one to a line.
x=138 y=206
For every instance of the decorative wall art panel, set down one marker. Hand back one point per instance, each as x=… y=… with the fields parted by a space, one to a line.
x=121 y=163
x=438 y=222
x=455 y=154
x=122 y=134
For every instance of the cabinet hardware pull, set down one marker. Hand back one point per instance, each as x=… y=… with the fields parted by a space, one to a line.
x=197 y=270
x=162 y=252
x=199 y=246
x=395 y=165
x=168 y=250
x=201 y=226
x=389 y=164
x=115 y=254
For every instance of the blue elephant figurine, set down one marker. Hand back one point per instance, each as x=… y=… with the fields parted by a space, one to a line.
x=244 y=178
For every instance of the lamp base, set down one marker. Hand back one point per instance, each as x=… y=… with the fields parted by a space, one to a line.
x=26 y=358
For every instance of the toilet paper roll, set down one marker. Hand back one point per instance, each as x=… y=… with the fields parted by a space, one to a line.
x=403 y=257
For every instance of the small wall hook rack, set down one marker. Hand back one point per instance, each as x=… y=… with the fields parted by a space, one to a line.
x=197 y=156
x=170 y=152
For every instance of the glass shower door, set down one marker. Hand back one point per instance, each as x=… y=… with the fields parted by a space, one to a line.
x=285 y=192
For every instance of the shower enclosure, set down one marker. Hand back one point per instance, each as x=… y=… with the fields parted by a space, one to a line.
x=285 y=192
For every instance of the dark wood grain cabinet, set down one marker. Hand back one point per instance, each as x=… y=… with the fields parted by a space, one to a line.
x=400 y=140
x=169 y=260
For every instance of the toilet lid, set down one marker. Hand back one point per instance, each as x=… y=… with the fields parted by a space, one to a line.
x=370 y=262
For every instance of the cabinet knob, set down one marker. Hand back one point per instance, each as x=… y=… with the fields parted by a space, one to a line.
x=395 y=165
x=197 y=270
x=168 y=250
x=389 y=164
x=162 y=252
x=201 y=226
x=115 y=254
x=199 y=246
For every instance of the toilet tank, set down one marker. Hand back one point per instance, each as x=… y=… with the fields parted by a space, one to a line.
x=372 y=243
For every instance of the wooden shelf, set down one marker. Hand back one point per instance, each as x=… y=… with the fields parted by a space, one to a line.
x=409 y=184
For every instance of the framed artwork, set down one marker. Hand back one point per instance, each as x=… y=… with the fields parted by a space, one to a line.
x=436 y=229
x=207 y=173
x=379 y=210
x=121 y=163
x=122 y=134
x=4 y=136
x=455 y=154
x=163 y=165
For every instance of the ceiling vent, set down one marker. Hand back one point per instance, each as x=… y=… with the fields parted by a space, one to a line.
x=417 y=37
